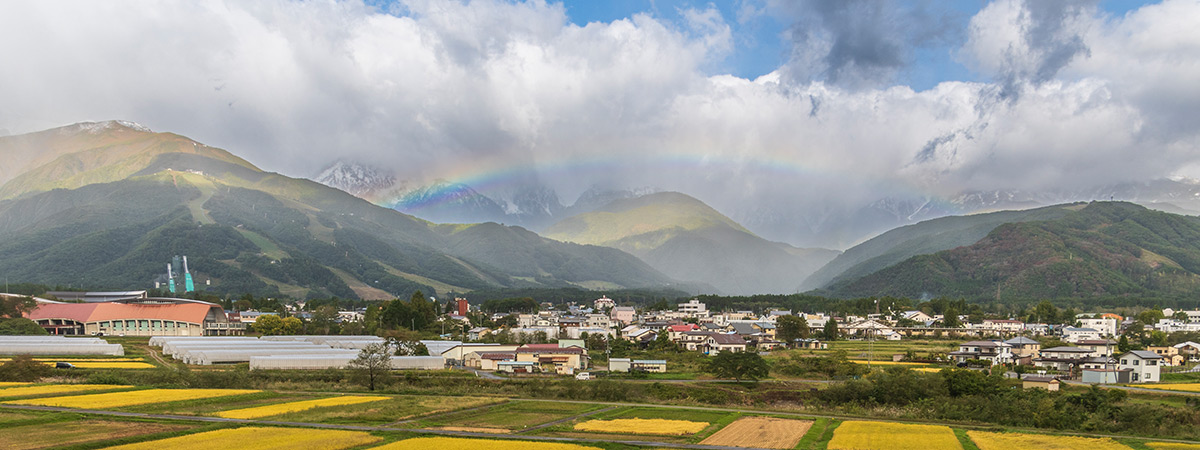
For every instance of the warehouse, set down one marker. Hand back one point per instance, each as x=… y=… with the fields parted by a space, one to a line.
x=135 y=317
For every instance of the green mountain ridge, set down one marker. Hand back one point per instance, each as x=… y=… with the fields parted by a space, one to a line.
x=115 y=218
x=688 y=240
x=1105 y=249
x=926 y=237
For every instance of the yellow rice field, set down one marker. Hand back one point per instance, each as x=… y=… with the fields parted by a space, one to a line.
x=4 y=384
x=888 y=363
x=259 y=438
x=284 y=408
x=1021 y=441
x=132 y=398
x=861 y=435
x=643 y=426
x=110 y=365
x=51 y=389
x=1172 y=446
x=446 y=443
x=1186 y=387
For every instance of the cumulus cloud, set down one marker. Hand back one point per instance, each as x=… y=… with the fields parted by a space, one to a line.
x=435 y=89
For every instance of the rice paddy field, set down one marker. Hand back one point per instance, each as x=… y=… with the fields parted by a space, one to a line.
x=447 y=443
x=26 y=390
x=55 y=434
x=1022 y=441
x=510 y=416
x=643 y=426
x=1172 y=446
x=863 y=435
x=766 y=432
x=394 y=409
x=290 y=407
x=1184 y=387
x=131 y=398
x=259 y=438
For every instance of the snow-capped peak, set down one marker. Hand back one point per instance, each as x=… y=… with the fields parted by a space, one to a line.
x=357 y=179
x=100 y=127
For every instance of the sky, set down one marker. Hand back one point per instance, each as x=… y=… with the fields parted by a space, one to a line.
x=763 y=105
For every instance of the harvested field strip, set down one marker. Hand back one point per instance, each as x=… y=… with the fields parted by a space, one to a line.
x=388 y=411
x=284 y=408
x=1021 y=441
x=445 y=443
x=887 y=363
x=1172 y=446
x=476 y=430
x=1185 y=387
x=763 y=432
x=28 y=437
x=51 y=389
x=111 y=365
x=860 y=435
x=643 y=426
x=120 y=399
x=259 y=438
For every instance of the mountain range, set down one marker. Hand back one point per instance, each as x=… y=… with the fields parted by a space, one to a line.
x=688 y=240
x=1098 y=249
x=107 y=204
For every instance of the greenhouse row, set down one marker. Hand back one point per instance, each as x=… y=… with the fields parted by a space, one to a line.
x=58 y=346
x=339 y=362
x=215 y=350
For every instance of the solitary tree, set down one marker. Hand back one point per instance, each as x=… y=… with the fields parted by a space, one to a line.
x=739 y=366
x=831 y=330
x=372 y=363
x=790 y=328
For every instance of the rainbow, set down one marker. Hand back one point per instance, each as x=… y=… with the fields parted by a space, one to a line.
x=482 y=178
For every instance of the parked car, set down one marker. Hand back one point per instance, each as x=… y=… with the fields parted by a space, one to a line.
x=63 y=365
x=583 y=376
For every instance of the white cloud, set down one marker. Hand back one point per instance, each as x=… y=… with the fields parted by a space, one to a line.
x=294 y=85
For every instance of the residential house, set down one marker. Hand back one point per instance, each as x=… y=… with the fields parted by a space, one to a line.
x=1146 y=366
x=1107 y=326
x=1047 y=382
x=810 y=344
x=1189 y=349
x=718 y=343
x=1074 y=334
x=478 y=333
x=604 y=302
x=695 y=340
x=578 y=332
x=1107 y=376
x=598 y=321
x=641 y=336
x=1023 y=347
x=457 y=354
x=1000 y=326
x=552 y=358
x=1062 y=359
x=1099 y=347
x=866 y=328
x=918 y=316
x=623 y=314
x=486 y=360
x=693 y=308
x=995 y=352
x=676 y=332
x=1171 y=355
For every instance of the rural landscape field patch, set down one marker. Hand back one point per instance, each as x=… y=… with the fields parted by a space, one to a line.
x=131 y=398
x=764 y=432
x=1185 y=387
x=5 y=384
x=29 y=437
x=643 y=426
x=259 y=438
x=52 y=389
x=1172 y=446
x=862 y=435
x=508 y=416
x=284 y=408
x=1022 y=441
x=446 y=443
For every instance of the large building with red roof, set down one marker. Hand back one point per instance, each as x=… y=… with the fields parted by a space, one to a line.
x=135 y=317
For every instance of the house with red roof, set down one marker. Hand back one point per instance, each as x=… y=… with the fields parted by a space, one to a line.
x=135 y=317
